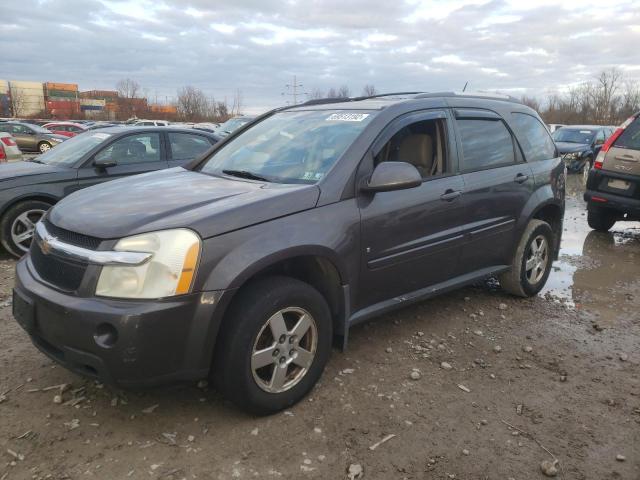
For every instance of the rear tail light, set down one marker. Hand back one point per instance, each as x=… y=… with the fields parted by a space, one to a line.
x=9 y=141
x=610 y=141
x=3 y=155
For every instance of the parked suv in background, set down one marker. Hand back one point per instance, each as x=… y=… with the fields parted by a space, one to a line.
x=580 y=144
x=247 y=264
x=613 y=185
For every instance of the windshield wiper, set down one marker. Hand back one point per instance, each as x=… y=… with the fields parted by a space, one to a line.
x=245 y=174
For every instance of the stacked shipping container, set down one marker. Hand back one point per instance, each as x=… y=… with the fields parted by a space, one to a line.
x=62 y=99
x=28 y=98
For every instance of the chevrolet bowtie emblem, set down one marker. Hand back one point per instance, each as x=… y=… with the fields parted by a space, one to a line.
x=45 y=246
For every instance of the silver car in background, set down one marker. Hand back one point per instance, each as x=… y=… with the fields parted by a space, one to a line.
x=9 y=150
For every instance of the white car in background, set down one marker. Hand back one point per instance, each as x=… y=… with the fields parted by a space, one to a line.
x=151 y=123
x=9 y=150
x=555 y=126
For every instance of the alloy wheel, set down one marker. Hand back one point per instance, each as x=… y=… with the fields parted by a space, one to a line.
x=44 y=147
x=23 y=227
x=284 y=349
x=537 y=259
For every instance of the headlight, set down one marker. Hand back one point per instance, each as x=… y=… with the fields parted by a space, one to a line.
x=58 y=140
x=570 y=156
x=170 y=271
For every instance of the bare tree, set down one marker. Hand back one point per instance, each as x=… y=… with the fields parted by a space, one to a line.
x=128 y=88
x=18 y=101
x=332 y=93
x=192 y=104
x=344 y=92
x=369 y=90
x=237 y=102
x=316 y=94
x=531 y=102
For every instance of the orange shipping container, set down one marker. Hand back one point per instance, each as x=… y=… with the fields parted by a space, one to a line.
x=70 y=87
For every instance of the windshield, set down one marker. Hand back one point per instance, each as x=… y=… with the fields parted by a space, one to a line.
x=573 y=135
x=69 y=152
x=290 y=147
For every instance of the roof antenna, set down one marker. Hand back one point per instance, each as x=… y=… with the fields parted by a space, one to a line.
x=465 y=85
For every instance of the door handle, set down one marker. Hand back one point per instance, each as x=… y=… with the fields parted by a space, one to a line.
x=521 y=178
x=450 y=195
x=626 y=158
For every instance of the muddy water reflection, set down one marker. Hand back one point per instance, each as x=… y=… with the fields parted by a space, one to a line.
x=598 y=272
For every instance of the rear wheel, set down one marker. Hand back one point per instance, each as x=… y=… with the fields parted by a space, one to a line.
x=531 y=263
x=585 y=170
x=18 y=224
x=274 y=345
x=44 y=147
x=600 y=219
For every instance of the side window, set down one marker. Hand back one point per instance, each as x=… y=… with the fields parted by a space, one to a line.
x=422 y=144
x=485 y=143
x=186 y=146
x=600 y=137
x=133 y=149
x=534 y=138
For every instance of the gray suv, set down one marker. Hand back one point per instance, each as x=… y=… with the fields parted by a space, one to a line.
x=245 y=265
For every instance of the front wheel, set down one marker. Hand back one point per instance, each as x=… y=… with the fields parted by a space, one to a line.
x=600 y=219
x=531 y=263
x=44 y=147
x=274 y=345
x=18 y=224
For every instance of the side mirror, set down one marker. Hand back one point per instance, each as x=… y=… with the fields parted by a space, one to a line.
x=599 y=141
x=104 y=163
x=388 y=176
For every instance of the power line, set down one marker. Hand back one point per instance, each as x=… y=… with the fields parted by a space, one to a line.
x=291 y=89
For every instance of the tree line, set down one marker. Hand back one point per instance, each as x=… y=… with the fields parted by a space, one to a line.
x=608 y=99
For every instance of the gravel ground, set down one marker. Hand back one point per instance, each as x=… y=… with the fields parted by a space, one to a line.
x=471 y=385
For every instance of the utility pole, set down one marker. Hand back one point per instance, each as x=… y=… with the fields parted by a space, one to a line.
x=291 y=89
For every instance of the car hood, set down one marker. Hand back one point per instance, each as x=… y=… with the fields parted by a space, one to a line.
x=568 y=147
x=16 y=170
x=177 y=198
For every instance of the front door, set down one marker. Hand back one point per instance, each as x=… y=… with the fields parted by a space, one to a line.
x=133 y=154
x=411 y=239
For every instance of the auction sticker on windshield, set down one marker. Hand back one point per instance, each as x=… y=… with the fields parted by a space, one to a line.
x=101 y=136
x=347 y=117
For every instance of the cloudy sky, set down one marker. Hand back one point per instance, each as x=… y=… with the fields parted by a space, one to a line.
x=516 y=47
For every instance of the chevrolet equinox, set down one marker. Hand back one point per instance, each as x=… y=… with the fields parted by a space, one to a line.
x=245 y=265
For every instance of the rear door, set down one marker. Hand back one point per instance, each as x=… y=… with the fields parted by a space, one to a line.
x=497 y=185
x=624 y=154
x=411 y=239
x=184 y=147
x=133 y=154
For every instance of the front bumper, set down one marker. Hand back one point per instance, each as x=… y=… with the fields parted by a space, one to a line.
x=121 y=342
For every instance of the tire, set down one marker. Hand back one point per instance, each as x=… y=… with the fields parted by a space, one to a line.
x=519 y=280
x=19 y=222
x=585 y=170
x=253 y=324
x=601 y=219
x=44 y=147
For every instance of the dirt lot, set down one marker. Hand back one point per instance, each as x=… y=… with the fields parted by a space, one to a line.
x=561 y=369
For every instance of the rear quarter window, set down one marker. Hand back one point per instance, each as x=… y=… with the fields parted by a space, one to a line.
x=630 y=138
x=533 y=137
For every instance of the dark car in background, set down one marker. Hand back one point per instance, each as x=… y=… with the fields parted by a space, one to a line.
x=579 y=145
x=613 y=184
x=249 y=263
x=28 y=189
x=32 y=138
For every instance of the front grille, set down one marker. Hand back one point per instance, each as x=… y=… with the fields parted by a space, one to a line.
x=73 y=238
x=63 y=274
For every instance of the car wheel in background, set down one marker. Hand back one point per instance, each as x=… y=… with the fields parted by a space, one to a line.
x=601 y=219
x=44 y=147
x=274 y=344
x=18 y=224
x=531 y=263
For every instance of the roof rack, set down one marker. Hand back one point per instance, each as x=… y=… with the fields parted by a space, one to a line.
x=496 y=96
x=320 y=101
